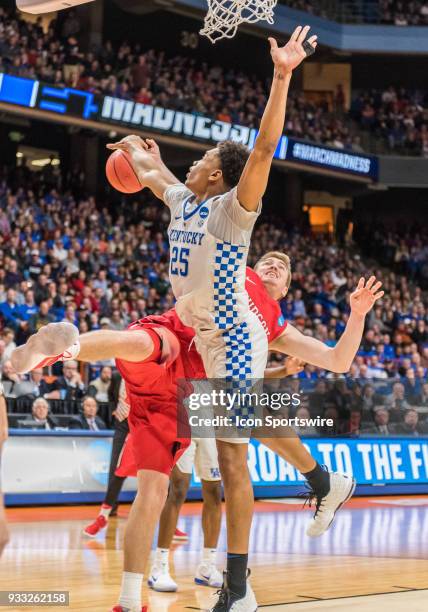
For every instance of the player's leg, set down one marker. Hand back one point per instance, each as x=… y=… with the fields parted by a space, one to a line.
x=239 y=496
x=4 y=531
x=239 y=357
x=207 y=573
x=114 y=487
x=208 y=470
x=160 y=578
x=143 y=518
x=60 y=341
x=329 y=490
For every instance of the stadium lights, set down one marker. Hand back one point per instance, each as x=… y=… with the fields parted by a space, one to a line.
x=45 y=161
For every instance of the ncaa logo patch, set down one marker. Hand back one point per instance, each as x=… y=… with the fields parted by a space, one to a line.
x=203 y=214
x=281 y=320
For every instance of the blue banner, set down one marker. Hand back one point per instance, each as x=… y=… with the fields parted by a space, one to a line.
x=107 y=109
x=371 y=461
x=73 y=466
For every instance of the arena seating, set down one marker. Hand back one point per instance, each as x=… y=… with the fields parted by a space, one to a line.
x=391 y=121
x=86 y=266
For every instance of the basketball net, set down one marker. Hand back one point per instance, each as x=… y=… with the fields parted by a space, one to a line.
x=224 y=16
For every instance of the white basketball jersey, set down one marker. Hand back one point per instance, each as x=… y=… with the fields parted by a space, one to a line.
x=209 y=245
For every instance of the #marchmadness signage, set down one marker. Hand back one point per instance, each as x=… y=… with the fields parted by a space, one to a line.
x=127 y=113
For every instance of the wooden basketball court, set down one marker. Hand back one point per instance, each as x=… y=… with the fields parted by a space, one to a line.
x=375 y=557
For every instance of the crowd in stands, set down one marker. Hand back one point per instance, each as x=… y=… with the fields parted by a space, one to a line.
x=404 y=12
x=182 y=83
x=62 y=257
x=397 y=116
x=390 y=12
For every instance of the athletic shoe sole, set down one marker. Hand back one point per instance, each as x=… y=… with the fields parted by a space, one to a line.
x=152 y=585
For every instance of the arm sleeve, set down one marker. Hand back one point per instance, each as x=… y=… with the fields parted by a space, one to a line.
x=231 y=222
x=174 y=195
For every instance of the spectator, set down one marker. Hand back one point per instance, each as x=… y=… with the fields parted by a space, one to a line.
x=9 y=309
x=99 y=388
x=40 y=416
x=381 y=424
x=396 y=403
x=89 y=419
x=410 y=425
x=10 y=379
x=8 y=339
x=305 y=429
x=70 y=385
x=41 y=318
x=34 y=386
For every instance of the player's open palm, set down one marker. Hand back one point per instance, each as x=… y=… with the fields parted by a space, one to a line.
x=365 y=295
x=287 y=58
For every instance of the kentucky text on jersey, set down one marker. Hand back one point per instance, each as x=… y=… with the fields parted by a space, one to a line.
x=186 y=237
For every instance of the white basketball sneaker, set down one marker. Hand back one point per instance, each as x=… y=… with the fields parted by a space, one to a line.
x=208 y=575
x=229 y=602
x=341 y=489
x=161 y=580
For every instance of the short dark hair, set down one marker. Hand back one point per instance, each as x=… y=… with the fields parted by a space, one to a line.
x=233 y=157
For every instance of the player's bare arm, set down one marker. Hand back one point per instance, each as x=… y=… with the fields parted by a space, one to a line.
x=147 y=163
x=254 y=179
x=339 y=358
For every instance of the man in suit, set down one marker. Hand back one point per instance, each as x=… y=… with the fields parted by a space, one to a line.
x=381 y=426
x=70 y=385
x=411 y=425
x=89 y=419
x=35 y=385
x=40 y=415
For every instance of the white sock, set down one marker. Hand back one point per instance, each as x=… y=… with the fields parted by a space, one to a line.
x=209 y=556
x=105 y=511
x=162 y=556
x=130 y=591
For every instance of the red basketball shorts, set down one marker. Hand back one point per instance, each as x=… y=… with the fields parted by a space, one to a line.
x=159 y=429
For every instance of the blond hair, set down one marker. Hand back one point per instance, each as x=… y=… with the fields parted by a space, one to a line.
x=282 y=257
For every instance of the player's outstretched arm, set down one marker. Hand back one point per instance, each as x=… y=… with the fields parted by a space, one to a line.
x=339 y=358
x=147 y=163
x=254 y=179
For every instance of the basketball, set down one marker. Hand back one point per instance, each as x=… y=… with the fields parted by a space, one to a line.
x=120 y=173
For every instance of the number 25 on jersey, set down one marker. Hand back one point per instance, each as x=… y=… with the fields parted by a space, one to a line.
x=179 y=261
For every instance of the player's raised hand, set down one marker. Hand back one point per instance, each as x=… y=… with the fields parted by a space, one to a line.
x=145 y=155
x=128 y=143
x=293 y=365
x=287 y=58
x=366 y=295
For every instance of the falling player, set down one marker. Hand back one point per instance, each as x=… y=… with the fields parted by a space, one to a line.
x=145 y=380
x=212 y=218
